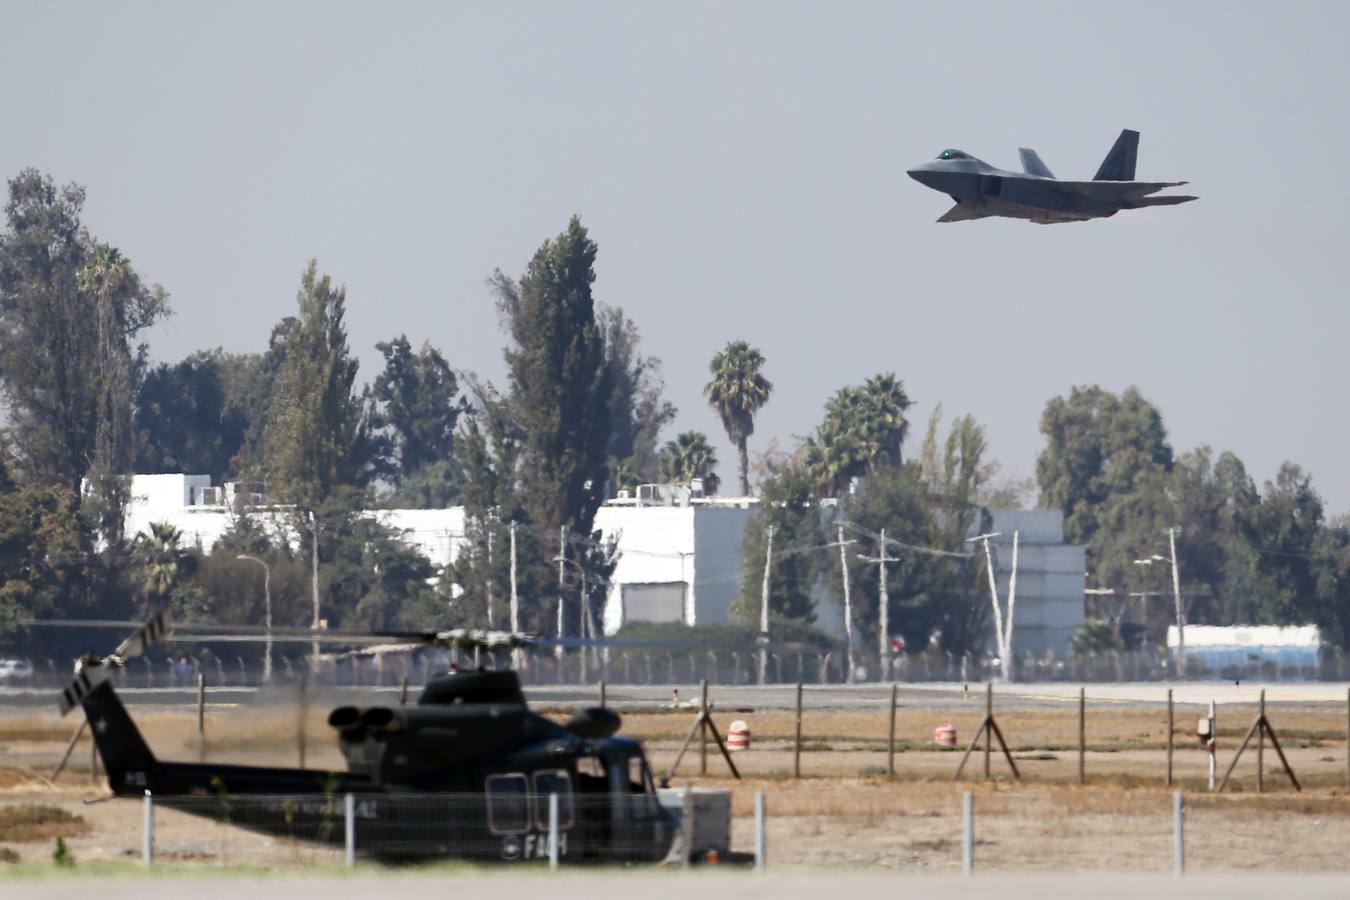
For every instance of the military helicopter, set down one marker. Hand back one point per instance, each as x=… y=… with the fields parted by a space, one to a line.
x=465 y=772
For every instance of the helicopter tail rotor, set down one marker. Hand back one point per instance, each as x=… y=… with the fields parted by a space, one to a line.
x=91 y=671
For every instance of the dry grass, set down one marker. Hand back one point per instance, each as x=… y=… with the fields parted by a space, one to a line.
x=844 y=813
x=29 y=823
x=32 y=729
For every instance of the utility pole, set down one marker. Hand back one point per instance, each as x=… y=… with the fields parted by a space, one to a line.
x=848 y=606
x=1176 y=595
x=764 y=609
x=1009 y=666
x=267 y=615
x=883 y=610
x=1181 y=610
x=1002 y=631
x=314 y=588
x=993 y=593
x=515 y=600
x=562 y=573
x=491 y=574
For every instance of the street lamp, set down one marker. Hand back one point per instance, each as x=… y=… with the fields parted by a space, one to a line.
x=267 y=614
x=1176 y=595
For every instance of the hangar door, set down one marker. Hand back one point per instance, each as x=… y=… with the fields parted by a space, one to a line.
x=655 y=602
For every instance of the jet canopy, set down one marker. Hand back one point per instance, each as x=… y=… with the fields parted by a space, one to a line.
x=954 y=154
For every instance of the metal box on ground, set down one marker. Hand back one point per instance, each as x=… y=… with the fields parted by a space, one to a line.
x=712 y=816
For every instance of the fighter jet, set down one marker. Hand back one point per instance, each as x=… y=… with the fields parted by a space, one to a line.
x=981 y=191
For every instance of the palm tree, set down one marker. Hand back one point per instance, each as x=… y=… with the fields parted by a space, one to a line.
x=623 y=475
x=863 y=429
x=105 y=276
x=738 y=391
x=690 y=456
x=162 y=562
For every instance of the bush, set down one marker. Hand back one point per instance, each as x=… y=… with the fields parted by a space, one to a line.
x=1095 y=636
x=731 y=635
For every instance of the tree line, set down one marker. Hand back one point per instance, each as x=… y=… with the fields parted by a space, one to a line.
x=580 y=416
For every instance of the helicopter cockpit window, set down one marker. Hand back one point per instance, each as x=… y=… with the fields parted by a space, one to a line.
x=591 y=778
x=639 y=776
x=508 y=799
x=553 y=781
x=641 y=794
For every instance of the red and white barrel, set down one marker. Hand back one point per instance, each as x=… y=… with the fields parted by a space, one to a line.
x=738 y=736
x=945 y=735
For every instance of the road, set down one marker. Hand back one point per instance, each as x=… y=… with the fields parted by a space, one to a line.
x=779 y=885
x=925 y=695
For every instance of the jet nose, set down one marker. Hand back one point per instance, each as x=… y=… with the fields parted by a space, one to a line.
x=923 y=175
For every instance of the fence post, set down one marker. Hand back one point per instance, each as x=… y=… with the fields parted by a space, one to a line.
x=1170 y=730
x=302 y=709
x=1082 y=735
x=797 y=738
x=967 y=833
x=350 y=821
x=1213 y=744
x=148 y=832
x=890 y=740
x=553 y=831
x=201 y=717
x=759 y=831
x=1178 y=839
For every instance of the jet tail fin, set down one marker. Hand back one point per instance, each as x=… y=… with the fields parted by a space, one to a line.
x=1119 y=163
x=1032 y=165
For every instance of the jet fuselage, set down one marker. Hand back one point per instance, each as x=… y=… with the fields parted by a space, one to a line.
x=981 y=190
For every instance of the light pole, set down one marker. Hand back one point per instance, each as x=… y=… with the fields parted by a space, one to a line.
x=267 y=615
x=1176 y=596
x=587 y=627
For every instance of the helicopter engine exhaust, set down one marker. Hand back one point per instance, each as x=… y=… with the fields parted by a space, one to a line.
x=345 y=718
x=381 y=718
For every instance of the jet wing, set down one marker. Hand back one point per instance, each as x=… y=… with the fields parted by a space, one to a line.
x=1111 y=190
x=959 y=213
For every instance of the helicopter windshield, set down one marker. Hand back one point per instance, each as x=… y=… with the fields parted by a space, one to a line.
x=639 y=776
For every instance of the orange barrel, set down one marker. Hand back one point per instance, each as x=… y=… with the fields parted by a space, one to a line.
x=738 y=736
x=945 y=735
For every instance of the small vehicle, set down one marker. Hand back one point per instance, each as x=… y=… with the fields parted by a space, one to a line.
x=16 y=671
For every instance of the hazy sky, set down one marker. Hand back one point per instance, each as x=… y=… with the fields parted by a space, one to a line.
x=741 y=166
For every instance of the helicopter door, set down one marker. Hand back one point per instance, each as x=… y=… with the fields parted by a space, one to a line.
x=554 y=781
x=508 y=799
x=593 y=805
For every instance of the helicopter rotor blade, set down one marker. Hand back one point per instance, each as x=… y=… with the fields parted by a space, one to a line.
x=145 y=637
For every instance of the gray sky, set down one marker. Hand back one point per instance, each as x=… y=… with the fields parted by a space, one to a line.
x=741 y=167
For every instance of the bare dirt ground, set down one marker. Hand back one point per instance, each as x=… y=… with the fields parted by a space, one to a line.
x=845 y=813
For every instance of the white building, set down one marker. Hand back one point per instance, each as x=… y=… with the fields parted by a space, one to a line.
x=680 y=556
x=1248 y=647
x=680 y=553
x=203 y=513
